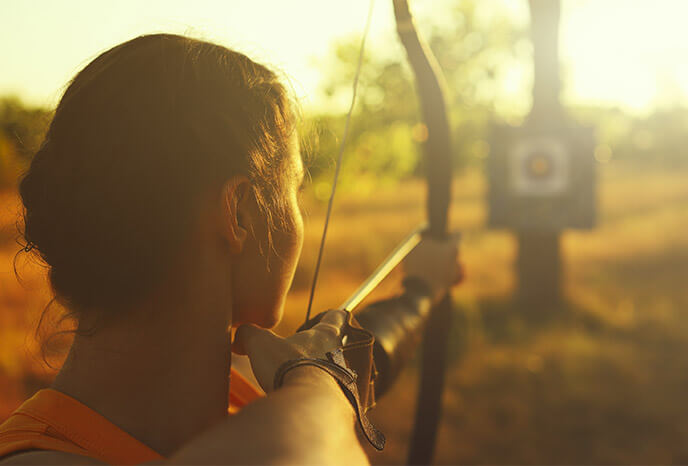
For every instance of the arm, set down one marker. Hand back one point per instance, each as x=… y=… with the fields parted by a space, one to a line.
x=307 y=421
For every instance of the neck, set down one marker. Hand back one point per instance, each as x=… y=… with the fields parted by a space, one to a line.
x=161 y=373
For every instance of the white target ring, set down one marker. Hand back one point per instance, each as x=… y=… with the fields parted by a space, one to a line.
x=539 y=167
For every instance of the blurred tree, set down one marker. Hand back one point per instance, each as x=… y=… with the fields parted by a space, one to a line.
x=653 y=140
x=21 y=131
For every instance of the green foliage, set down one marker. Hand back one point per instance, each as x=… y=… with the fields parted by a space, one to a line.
x=476 y=52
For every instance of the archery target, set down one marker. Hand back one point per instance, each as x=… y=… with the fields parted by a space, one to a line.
x=539 y=167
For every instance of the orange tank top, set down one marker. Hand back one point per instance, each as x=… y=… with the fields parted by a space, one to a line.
x=51 y=420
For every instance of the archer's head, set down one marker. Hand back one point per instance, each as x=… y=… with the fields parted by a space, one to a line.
x=168 y=175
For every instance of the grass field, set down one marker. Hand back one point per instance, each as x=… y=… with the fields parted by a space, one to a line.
x=600 y=379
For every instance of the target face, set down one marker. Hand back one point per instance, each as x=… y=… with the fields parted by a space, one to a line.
x=539 y=167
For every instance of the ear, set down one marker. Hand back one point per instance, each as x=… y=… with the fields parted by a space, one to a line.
x=236 y=215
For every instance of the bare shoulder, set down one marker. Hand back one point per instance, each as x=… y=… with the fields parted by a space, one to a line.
x=48 y=457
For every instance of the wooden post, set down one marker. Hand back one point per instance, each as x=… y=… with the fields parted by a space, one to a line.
x=539 y=255
x=539 y=269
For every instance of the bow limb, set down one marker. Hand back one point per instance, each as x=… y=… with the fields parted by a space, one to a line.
x=431 y=92
x=437 y=150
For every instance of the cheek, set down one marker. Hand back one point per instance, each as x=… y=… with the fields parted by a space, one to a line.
x=292 y=239
x=298 y=234
x=260 y=286
x=288 y=247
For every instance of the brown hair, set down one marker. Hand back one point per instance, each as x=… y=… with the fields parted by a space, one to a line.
x=139 y=135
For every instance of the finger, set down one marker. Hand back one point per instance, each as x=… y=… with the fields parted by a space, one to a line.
x=247 y=337
x=332 y=323
x=335 y=318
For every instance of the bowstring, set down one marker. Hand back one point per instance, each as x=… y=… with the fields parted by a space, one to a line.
x=340 y=155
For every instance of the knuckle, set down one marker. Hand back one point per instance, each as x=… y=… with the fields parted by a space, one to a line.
x=336 y=317
x=328 y=330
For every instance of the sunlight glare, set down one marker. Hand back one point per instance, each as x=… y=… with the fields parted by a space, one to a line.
x=628 y=53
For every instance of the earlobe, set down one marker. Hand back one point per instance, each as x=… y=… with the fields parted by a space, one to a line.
x=235 y=219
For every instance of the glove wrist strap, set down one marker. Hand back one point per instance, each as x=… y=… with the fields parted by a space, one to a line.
x=335 y=365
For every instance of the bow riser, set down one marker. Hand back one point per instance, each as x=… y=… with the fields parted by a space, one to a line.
x=430 y=87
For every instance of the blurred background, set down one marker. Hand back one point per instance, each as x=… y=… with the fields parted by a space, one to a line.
x=569 y=121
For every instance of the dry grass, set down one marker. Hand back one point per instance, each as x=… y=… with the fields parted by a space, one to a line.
x=599 y=380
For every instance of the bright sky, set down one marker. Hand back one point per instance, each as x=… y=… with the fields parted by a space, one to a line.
x=630 y=53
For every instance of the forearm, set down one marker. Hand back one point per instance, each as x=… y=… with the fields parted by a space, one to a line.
x=307 y=421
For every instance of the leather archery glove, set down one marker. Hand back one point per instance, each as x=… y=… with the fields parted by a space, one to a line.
x=357 y=350
x=331 y=342
x=267 y=351
x=353 y=367
x=435 y=263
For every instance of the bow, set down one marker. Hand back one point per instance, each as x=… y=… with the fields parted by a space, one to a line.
x=437 y=149
x=430 y=88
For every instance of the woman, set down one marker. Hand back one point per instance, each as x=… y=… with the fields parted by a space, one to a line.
x=164 y=201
